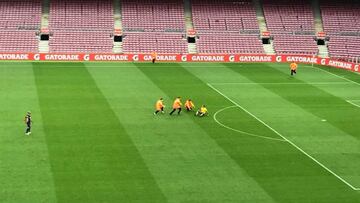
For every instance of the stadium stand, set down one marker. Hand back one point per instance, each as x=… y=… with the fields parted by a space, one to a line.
x=340 y=16
x=152 y=15
x=19 y=21
x=160 y=42
x=288 y=15
x=17 y=14
x=230 y=43
x=151 y=25
x=81 y=14
x=341 y=22
x=18 y=41
x=295 y=44
x=75 y=41
x=226 y=26
x=81 y=26
x=227 y=15
x=292 y=25
x=344 y=46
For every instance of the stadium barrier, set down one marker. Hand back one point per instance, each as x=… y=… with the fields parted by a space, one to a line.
x=231 y=58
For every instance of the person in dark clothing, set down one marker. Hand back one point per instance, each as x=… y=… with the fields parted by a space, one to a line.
x=28 y=122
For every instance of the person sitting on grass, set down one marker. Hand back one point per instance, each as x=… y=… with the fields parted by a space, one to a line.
x=202 y=111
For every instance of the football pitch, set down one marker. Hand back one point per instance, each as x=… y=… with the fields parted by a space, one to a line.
x=269 y=137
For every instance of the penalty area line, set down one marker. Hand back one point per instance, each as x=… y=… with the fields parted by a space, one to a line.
x=351 y=102
x=286 y=139
x=240 y=131
x=336 y=75
x=282 y=83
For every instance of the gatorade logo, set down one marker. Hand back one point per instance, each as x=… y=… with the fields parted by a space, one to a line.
x=184 y=58
x=323 y=61
x=135 y=57
x=231 y=58
x=86 y=57
x=36 y=57
x=278 y=59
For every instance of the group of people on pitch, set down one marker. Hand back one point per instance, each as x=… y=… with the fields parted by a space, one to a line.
x=159 y=106
x=189 y=105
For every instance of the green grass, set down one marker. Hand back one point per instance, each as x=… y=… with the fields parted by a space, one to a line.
x=95 y=138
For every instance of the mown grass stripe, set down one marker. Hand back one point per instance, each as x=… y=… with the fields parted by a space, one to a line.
x=340 y=73
x=25 y=174
x=92 y=157
x=323 y=121
x=187 y=164
x=277 y=161
x=308 y=97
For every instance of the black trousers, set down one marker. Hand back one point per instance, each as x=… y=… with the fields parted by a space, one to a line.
x=293 y=72
x=175 y=110
x=157 y=111
x=153 y=61
x=28 y=128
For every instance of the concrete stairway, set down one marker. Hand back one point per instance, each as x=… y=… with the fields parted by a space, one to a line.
x=260 y=15
x=45 y=14
x=117 y=46
x=192 y=48
x=317 y=16
x=323 y=49
x=268 y=48
x=44 y=45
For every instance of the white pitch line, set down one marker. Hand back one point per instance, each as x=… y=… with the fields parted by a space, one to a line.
x=294 y=145
x=239 y=131
x=338 y=76
x=90 y=66
x=282 y=83
x=351 y=102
